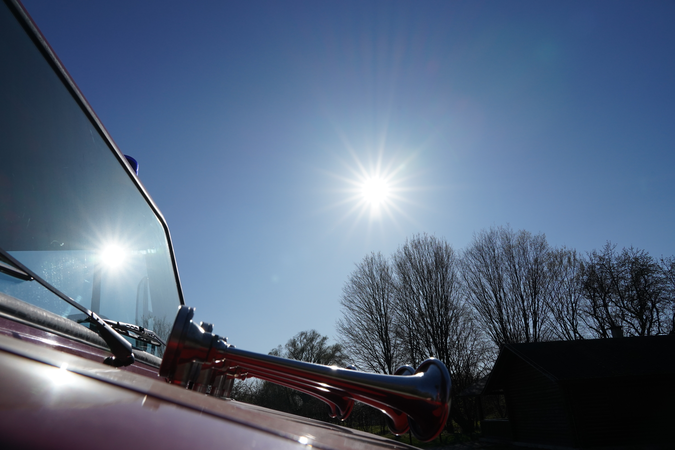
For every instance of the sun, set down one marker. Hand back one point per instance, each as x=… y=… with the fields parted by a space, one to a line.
x=375 y=188
x=376 y=191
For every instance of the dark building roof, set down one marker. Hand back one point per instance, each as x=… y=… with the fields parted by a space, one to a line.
x=590 y=359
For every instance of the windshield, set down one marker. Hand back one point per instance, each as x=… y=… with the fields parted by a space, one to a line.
x=69 y=209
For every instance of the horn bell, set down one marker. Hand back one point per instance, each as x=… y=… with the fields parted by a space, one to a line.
x=413 y=399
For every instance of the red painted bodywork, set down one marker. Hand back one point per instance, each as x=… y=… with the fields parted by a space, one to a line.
x=29 y=334
x=53 y=399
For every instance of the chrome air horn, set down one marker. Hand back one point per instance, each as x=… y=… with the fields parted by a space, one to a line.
x=415 y=400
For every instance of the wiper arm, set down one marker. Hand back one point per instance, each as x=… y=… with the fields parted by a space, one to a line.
x=14 y=271
x=119 y=347
x=136 y=332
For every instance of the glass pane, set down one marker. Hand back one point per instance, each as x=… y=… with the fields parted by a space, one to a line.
x=68 y=209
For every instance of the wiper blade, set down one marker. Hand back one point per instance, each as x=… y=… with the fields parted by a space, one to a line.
x=14 y=271
x=119 y=347
x=136 y=332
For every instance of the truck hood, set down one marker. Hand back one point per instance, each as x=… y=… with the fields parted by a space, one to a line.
x=51 y=399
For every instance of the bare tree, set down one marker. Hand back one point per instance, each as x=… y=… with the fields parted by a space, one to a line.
x=432 y=317
x=567 y=301
x=246 y=390
x=428 y=297
x=366 y=330
x=643 y=294
x=509 y=283
x=668 y=271
x=309 y=346
x=601 y=313
x=625 y=289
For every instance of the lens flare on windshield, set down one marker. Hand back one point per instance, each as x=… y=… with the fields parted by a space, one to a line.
x=113 y=256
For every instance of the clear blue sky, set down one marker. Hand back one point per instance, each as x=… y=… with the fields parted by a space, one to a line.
x=254 y=122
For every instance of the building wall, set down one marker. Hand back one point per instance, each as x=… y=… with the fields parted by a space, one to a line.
x=536 y=407
x=623 y=411
x=496 y=429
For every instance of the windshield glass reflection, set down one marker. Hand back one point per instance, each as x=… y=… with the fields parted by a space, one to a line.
x=68 y=208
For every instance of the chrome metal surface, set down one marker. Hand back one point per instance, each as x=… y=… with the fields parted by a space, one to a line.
x=417 y=400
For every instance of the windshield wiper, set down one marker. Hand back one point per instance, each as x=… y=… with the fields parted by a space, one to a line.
x=134 y=331
x=119 y=347
x=14 y=271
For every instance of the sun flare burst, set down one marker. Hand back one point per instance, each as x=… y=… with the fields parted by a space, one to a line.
x=375 y=191
x=113 y=256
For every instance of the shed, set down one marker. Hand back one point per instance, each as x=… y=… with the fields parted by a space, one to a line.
x=587 y=393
